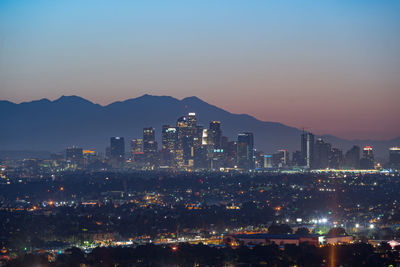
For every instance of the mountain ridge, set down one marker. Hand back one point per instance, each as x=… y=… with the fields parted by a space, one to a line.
x=72 y=120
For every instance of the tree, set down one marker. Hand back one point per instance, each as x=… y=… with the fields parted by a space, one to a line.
x=302 y=231
x=337 y=231
x=281 y=229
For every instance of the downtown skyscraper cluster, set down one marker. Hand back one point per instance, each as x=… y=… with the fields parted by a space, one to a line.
x=189 y=146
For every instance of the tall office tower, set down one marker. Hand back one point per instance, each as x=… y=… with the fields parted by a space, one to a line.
x=394 y=158
x=367 y=160
x=214 y=134
x=321 y=154
x=181 y=149
x=75 y=155
x=280 y=159
x=136 y=145
x=335 y=158
x=204 y=137
x=117 y=151
x=189 y=139
x=230 y=150
x=297 y=158
x=169 y=138
x=137 y=153
x=307 y=149
x=150 y=147
x=191 y=122
x=352 y=158
x=245 y=151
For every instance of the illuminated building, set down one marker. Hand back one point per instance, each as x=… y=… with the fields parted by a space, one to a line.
x=117 y=151
x=394 y=157
x=204 y=137
x=280 y=159
x=192 y=119
x=367 y=160
x=245 y=151
x=307 y=149
x=169 y=138
x=268 y=161
x=189 y=139
x=137 y=154
x=150 y=147
x=136 y=145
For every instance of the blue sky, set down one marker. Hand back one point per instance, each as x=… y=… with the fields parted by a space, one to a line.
x=332 y=66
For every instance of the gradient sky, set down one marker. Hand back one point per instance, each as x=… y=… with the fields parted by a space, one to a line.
x=330 y=66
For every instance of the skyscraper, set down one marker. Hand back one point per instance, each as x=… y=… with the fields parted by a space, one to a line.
x=150 y=147
x=394 y=157
x=307 y=149
x=352 y=158
x=192 y=119
x=136 y=145
x=169 y=137
x=245 y=146
x=214 y=134
x=117 y=151
x=321 y=154
x=335 y=158
x=367 y=160
x=280 y=159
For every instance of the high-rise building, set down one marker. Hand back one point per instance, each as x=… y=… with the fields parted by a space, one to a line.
x=297 y=158
x=136 y=145
x=189 y=140
x=150 y=147
x=367 y=160
x=191 y=121
x=137 y=153
x=280 y=159
x=352 y=158
x=321 y=154
x=245 y=151
x=117 y=151
x=307 y=149
x=335 y=158
x=394 y=158
x=214 y=134
x=169 y=137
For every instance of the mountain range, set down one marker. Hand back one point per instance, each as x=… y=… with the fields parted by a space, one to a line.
x=45 y=125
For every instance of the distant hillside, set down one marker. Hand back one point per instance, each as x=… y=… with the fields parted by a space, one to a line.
x=71 y=120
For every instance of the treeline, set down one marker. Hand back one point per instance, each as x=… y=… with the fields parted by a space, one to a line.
x=360 y=254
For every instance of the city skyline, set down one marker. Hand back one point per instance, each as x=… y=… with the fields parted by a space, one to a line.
x=332 y=67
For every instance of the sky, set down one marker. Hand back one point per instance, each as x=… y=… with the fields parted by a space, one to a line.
x=332 y=67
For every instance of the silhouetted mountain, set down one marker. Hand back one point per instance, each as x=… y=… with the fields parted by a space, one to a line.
x=72 y=120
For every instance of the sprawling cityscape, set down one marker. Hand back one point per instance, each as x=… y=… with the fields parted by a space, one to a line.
x=200 y=192
x=199 y=133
